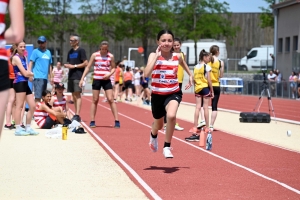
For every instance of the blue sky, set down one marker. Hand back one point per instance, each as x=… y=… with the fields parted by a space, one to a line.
x=234 y=5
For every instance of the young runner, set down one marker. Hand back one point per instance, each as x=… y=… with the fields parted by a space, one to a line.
x=45 y=115
x=104 y=67
x=22 y=90
x=203 y=88
x=166 y=94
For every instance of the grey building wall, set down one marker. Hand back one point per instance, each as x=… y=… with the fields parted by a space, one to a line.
x=288 y=40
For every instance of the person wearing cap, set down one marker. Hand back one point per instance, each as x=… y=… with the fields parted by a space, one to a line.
x=76 y=63
x=41 y=66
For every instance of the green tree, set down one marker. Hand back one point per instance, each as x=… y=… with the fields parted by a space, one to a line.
x=267 y=17
x=139 y=19
x=198 y=19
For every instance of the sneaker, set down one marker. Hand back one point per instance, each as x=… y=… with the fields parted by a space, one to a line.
x=209 y=141
x=31 y=131
x=71 y=102
x=153 y=144
x=117 y=124
x=93 y=124
x=21 y=132
x=211 y=128
x=194 y=130
x=178 y=128
x=167 y=152
x=201 y=124
x=10 y=127
x=193 y=138
x=77 y=118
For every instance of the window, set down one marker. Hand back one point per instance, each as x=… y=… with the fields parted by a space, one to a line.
x=252 y=54
x=287 y=44
x=279 y=45
x=295 y=43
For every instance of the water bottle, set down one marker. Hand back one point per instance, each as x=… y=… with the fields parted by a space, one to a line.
x=65 y=132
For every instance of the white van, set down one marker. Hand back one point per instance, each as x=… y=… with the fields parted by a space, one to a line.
x=188 y=47
x=257 y=58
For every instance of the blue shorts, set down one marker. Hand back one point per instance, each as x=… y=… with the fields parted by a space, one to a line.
x=205 y=92
x=39 y=85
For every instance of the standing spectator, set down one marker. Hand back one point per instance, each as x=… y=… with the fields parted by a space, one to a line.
x=272 y=78
x=298 y=86
x=278 y=82
x=13 y=34
x=57 y=74
x=77 y=61
x=41 y=66
x=137 y=85
x=293 y=84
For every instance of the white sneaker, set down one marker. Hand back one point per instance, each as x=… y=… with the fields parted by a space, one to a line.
x=153 y=144
x=211 y=128
x=167 y=152
x=201 y=124
x=178 y=128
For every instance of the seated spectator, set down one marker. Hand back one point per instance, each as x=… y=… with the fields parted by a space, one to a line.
x=45 y=115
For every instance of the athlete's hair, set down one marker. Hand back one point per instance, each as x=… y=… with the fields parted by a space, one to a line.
x=202 y=54
x=127 y=69
x=177 y=40
x=164 y=32
x=214 y=49
x=118 y=62
x=14 y=49
x=45 y=92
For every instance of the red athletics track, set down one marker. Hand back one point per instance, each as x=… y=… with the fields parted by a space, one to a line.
x=195 y=173
x=283 y=108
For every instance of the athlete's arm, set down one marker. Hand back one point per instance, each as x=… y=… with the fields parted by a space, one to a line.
x=222 y=69
x=87 y=68
x=16 y=61
x=15 y=33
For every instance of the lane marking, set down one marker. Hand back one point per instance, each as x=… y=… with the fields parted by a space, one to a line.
x=117 y=157
x=204 y=150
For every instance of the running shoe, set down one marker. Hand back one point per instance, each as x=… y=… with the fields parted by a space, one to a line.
x=77 y=118
x=10 y=127
x=201 y=124
x=209 y=141
x=117 y=124
x=21 y=132
x=194 y=130
x=71 y=102
x=211 y=128
x=178 y=128
x=104 y=100
x=153 y=144
x=193 y=138
x=31 y=131
x=93 y=124
x=167 y=152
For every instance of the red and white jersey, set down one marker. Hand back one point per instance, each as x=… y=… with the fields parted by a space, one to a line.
x=3 y=8
x=58 y=75
x=164 y=76
x=61 y=103
x=102 y=65
x=40 y=115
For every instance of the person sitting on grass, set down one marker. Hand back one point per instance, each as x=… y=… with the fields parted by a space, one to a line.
x=45 y=115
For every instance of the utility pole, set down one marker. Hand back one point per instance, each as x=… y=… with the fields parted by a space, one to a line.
x=275 y=13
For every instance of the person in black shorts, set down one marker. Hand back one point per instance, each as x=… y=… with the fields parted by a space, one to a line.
x=77 y=61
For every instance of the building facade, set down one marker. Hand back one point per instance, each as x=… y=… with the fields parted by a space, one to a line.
x=288 y=34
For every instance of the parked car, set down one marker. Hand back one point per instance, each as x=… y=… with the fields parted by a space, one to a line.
x=257 y=58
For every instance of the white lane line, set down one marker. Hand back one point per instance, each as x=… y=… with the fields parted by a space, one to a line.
x=116 y=156
x=215 y=155
x=238 y=112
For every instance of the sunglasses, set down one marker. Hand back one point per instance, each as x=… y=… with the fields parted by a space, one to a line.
x=39 y=42
x=72 y=40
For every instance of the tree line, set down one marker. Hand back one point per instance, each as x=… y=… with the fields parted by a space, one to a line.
x=139 y=20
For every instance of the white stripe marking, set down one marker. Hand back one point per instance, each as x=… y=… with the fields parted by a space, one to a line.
x=116 y=156
x=215 y=155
